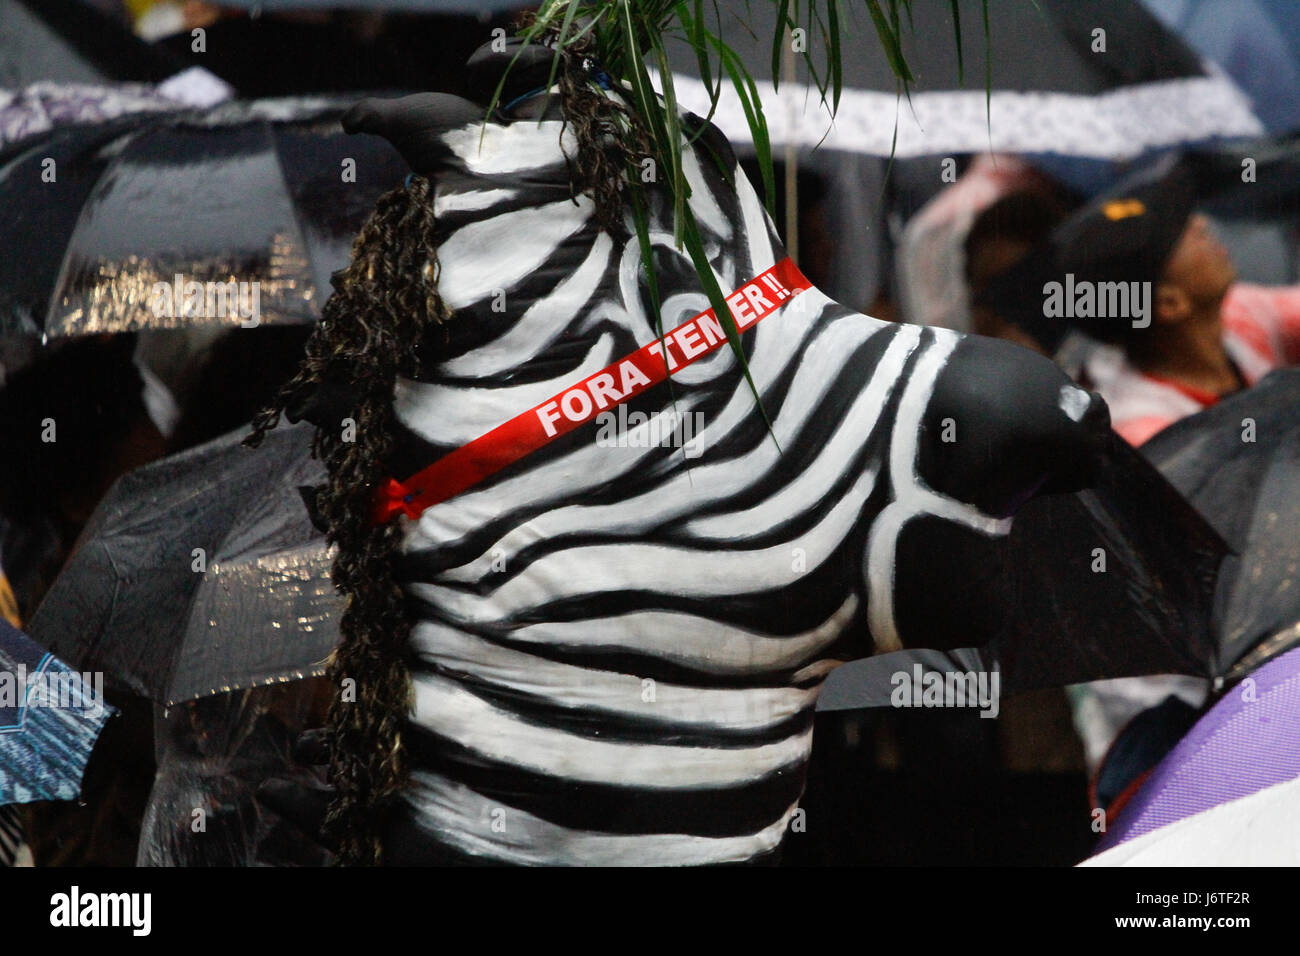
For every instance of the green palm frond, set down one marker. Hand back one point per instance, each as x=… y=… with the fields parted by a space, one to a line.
x=628 y=36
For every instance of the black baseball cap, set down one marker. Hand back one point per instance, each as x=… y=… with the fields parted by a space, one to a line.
x=1127 y=234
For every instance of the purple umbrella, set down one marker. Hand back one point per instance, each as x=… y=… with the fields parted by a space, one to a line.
x=1248 y=742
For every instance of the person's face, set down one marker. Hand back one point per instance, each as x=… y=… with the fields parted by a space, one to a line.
x=1200 y=267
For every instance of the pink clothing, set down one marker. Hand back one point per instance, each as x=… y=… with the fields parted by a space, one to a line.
x=1261 y=332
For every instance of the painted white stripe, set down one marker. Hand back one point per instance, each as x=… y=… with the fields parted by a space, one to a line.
x=911 y=496
x=632 y=312
x=520 y=240
x=713 y=647
x=815 y=670
x=444 y=202
x=760 y=235
x=586 y=688
x=813 y=484
x=544 y=321
x=456 y=415
x=445 y=708
x=510 y=148
x=475 y=824
x=702 y=202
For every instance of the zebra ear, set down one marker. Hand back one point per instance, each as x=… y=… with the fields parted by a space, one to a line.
x=485 y=67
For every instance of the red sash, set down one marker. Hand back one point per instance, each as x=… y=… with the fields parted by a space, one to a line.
x=583 y=401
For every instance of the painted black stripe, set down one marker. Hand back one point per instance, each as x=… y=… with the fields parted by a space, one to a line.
x=578 y=805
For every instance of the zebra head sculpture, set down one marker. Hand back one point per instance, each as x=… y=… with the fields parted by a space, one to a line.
x=617 y=638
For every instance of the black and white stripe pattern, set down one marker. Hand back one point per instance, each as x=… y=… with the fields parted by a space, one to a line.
x=619 y=649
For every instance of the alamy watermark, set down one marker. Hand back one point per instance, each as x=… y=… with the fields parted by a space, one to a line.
x=669 y=429
x=66 y=690
x=929 y=688
x=213 y=300
x=75 y=908
x=1098 y=300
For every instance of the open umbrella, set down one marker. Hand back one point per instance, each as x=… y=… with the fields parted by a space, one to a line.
x=1256 y=41
x=199 y=573
x=50 y=717
x=1238 y=462
x=1055 y=85
x=1271 y=193
x=1229 y=792
x=1147 y=612
x=234 y=215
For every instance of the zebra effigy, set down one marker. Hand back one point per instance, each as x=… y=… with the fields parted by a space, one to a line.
x=613 y=575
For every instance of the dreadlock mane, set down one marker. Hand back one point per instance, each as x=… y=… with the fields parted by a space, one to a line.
x=612 y=139
x=383 y=301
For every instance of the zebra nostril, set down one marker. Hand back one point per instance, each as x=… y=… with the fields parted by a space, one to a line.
x=1075 y=402
x=1084 y=407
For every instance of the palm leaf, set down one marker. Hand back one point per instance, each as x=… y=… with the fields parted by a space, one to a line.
x=956 y=29
x=783 y=22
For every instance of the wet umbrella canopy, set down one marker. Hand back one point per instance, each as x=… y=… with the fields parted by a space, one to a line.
x=1239 y=464
x=235 y=215
x=199 y=573
x=1053 y=85
x=1246 y=743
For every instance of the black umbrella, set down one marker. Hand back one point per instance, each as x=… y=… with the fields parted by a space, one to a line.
x=1054 y=84
x=1258 y=179
x=1140 y=606
x=200 y=573
x=1239 y=464
x=238 y=213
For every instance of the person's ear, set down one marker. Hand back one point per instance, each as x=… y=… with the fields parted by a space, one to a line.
x=1171 y=304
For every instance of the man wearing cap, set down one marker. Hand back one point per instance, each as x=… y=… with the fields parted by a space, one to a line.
x=1191 y=333
x=1185 y=335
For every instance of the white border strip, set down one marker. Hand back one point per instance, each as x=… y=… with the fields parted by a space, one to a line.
x=1117 y=125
